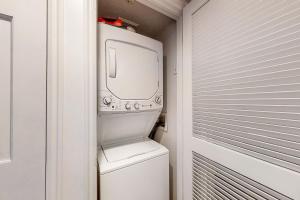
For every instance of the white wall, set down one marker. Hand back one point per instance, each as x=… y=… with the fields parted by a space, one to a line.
x=169 y=135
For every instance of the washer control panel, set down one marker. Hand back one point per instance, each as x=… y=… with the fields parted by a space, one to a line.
x=109 y=103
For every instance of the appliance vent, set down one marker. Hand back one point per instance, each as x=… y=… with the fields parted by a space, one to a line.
x=214 y=181
x=246 y=78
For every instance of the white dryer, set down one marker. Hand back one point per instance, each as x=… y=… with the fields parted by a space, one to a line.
x=130 y=82
x=130 y=99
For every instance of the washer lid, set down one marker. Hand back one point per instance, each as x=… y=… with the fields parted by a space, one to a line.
x=126 y=151
x=132 y=71
x=116 y=152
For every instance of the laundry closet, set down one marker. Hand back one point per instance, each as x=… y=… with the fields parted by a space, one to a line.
x=137 y=61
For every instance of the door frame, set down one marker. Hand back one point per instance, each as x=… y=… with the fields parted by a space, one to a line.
x=183 y=99
x=179 y=139
x=58 y=179
x=186 y=102
x=72 y=100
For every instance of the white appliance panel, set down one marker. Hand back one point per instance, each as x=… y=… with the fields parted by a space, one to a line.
x=132 y=167
x=130 y=86
x=131 y=70
x=147 y=180
x=114 y=157
x=116 y=128
x=129 y=150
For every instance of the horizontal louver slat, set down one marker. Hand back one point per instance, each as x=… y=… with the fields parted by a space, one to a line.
x=246 y=78
x=212 y=180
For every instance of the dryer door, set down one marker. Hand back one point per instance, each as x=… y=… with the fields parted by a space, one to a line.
x=132 y=71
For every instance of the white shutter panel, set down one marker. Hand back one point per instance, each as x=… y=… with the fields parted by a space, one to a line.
x=245 y=78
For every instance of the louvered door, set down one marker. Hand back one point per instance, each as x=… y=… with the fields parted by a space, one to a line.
x=241 y=99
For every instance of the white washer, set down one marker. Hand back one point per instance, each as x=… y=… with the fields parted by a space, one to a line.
x=130 y=99
x=134 y=171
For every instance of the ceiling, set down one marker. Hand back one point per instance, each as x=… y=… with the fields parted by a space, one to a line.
x=171 y=8
x=151 y=22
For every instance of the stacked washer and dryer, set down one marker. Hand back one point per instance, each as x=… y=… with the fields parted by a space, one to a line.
x=130 y=99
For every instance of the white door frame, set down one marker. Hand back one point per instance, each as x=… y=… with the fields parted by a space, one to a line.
x=78 y=69
x=179 y=139
x=185 y=104
x=183 y=100
x=71 y=100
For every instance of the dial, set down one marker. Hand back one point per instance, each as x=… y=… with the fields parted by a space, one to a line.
x=107 y=100
x=127 y=106
x=137 y=106
x=158 y=100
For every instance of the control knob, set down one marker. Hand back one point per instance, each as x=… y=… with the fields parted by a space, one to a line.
x=107 y=100
x=158 y=100
x=127 y=106
x=137 y=106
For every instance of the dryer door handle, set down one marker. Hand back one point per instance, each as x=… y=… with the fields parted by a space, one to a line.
x=112 y=62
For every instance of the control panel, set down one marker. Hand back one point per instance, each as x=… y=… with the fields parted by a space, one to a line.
x=109 y=103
